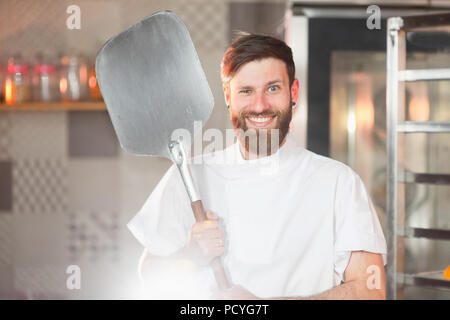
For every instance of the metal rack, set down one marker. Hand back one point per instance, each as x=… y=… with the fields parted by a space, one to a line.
x=397 y=75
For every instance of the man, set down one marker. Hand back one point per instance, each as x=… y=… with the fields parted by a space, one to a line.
x=307 y=230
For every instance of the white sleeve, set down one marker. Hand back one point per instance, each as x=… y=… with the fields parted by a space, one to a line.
x=163 y=223
x=357 y=226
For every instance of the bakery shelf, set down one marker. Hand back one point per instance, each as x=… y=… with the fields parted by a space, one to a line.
x=433 y=279
x=436 y=234
x=425 y=178
x=55 y=106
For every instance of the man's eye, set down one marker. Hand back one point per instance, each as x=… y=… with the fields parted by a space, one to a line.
x=273 y=88
x=247 y=91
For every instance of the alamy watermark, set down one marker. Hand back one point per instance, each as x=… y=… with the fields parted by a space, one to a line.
x=374 y=280
x=73 y=21
x=73 y=281
x=374 y=20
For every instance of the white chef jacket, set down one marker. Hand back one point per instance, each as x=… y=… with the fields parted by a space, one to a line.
x=290 y=219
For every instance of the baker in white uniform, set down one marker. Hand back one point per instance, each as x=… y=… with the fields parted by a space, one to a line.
x=287 y=224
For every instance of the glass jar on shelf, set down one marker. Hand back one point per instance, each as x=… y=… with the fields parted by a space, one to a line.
x=17 y=82
x=2 y=96
x=45 y=80
x=73 y=80
x=94 y=90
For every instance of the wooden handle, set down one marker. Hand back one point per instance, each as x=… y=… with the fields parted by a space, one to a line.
x=216 y=264
x=219 y=274
x=199 y=212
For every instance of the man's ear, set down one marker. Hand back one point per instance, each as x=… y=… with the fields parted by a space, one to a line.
x=295 y=88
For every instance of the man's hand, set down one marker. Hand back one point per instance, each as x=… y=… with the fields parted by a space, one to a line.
x=236 y=292
x=207 y=239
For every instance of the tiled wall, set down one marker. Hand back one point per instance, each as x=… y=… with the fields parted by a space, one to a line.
x=66 y=188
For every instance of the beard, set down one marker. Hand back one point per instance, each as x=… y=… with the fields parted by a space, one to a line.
x=262 y=141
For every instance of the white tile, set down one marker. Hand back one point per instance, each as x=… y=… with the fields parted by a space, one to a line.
x=94 y=185
x=39 y=186
x=6 y=282
x=38 y=135
x=94 y=236
x=45 y=282
x=40 y=240
x=5 y=135
x=206 y=20
x=6 y=257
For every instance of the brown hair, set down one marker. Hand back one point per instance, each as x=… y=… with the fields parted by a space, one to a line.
x=249 y=47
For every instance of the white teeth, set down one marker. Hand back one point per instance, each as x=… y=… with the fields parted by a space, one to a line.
x=260 y=119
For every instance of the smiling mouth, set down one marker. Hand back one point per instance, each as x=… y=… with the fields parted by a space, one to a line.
x=260 y=121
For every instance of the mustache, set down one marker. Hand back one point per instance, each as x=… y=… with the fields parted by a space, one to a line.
x=245 y=114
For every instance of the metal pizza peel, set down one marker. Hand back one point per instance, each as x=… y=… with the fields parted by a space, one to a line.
x=153 y=83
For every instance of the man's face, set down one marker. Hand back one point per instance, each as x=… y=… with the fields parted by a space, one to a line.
x=260 y=98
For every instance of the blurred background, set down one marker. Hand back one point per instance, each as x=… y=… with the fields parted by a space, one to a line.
x=67 y=189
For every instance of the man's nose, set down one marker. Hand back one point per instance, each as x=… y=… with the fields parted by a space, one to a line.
x=260 y=103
